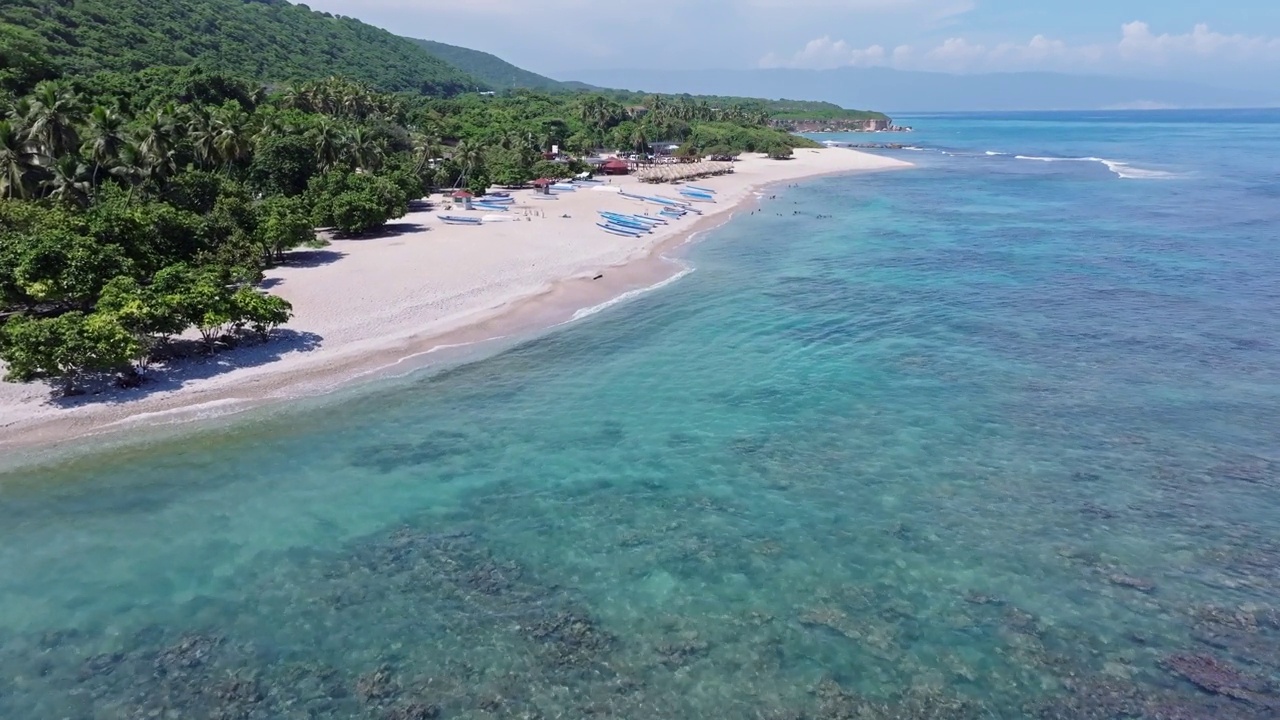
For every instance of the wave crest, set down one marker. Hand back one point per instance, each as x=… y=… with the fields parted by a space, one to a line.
x=1122 y=169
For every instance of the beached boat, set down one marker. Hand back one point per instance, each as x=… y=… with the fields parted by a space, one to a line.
x=701 y=189
x=618 y=230
x=629 y=224
x=490 y=206
x=670 y=200
x=650 y=221
x=567 y=187
x=459 y=220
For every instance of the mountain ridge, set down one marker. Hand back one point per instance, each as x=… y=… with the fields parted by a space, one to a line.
x=489 y=68
x=268 y=40
x=912 y=91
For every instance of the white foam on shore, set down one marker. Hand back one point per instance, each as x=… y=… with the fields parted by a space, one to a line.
x=993 y=153
x=186 y=413
x=1121 y=169
x=629 y=295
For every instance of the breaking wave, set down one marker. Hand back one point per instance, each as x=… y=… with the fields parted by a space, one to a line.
x=1121 y=169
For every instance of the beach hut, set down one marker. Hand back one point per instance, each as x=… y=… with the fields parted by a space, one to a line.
x=615 y=166
x=464 y=197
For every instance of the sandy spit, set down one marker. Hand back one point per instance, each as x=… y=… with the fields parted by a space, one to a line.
x=368 y=305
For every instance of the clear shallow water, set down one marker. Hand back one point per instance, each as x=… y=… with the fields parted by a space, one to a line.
x=998 y=438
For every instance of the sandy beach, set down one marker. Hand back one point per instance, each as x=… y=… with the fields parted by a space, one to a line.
x=366 y=304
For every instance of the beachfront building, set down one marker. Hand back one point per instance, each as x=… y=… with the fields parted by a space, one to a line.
x=615 y=166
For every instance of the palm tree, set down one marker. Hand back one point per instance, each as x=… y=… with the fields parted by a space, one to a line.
x=67 y=181
x=638 y=139
x=426 y=147
x=468 y=156
x=362 y=151
x=55 y=113
x=233 y=138
x=19 y=161
x=204 y=138
x=155 y=139
x=103 y=136
x=328 y=141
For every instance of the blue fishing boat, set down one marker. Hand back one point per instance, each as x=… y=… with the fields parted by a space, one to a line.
x=701 y=189
x=650 y=222
x=459 y=220
x=671 y=201
x=701 y=198
x=490 y=206
x=618 y=230
x=630 y=224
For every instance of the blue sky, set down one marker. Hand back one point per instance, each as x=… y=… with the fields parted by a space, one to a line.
x=1231 y=43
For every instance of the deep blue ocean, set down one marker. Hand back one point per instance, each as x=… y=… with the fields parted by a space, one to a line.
x=990 y=438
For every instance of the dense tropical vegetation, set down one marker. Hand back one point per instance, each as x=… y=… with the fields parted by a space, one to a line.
x=156 y=158
x=134 y=209
x=268 y=40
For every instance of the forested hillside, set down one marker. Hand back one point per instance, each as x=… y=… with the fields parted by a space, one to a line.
x=490 y=69
x=268 y=40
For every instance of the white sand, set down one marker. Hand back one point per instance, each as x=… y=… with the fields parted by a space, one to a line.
x=367 y=303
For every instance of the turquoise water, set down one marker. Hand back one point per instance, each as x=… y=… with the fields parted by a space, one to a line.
x=989 y=438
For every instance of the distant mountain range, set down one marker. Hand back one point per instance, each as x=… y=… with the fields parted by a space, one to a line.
x=905 y=91
x=276 y=41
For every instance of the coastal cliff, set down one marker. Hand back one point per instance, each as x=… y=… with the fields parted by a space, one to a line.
x=840 y=125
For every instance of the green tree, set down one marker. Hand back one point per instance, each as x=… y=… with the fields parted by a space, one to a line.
x=283 y=165
x=283 y=224
x=150 y=316
x=65 y=348
x=103 y=138
x=56 y=113
x=69 y=181
x=58 y=265
x=24 y=59
x=356 y=212
x=781 y=152
x=259 y=312
x=19 y=162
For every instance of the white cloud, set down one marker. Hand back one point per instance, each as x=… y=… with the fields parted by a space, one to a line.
x=1137 y=46
x=1140 y=44
x=825 y=53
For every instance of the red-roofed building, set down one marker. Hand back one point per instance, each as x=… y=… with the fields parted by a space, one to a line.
x=615 y=166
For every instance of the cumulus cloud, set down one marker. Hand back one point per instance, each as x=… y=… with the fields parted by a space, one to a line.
x=1137 y=46
x=1139 y=43
x=825 y=53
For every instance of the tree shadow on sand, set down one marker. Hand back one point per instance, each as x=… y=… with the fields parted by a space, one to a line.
x=190 y=365
x=311 y=258
x=390 y=230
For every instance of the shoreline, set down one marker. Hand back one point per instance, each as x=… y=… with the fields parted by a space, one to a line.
x=426 y=315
